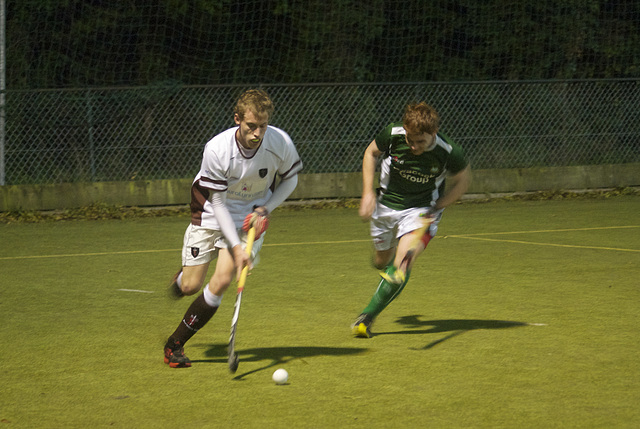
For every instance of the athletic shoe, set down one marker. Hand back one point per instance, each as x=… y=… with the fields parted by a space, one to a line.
x=174 y=355
x=174 y=290
x=362 y=326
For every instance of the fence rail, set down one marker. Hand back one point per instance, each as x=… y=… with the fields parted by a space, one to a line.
x=114 y=134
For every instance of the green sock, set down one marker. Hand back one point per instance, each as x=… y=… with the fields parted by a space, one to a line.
x=385 y=293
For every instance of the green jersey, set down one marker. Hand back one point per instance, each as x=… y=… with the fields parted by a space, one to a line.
x=408 y=180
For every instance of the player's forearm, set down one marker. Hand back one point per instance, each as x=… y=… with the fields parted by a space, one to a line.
x=458 y=188
x=225 y=221
x=281 y=193
x=368 y=172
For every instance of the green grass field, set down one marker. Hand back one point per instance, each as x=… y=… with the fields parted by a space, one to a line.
x=519 y=315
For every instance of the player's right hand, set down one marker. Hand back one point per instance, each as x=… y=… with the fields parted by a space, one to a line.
x=240 y=259
x=367 y=205
x=430 y=213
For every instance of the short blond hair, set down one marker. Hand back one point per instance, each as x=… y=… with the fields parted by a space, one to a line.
x=256 y=100
x=420 y=118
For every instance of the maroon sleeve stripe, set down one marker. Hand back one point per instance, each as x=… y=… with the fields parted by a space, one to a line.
x=216 y=185
x=295 y=168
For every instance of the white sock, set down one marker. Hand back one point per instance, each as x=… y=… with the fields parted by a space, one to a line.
x=179 y=279
x=210 y=298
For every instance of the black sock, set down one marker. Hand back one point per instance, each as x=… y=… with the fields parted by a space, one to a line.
x=197 y=315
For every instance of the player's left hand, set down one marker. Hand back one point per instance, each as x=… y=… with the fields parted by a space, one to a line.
x=259 y=219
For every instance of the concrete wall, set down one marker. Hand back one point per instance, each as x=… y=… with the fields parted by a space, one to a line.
x=311 y=186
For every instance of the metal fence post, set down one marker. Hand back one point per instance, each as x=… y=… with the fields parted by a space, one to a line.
x=2 y=89
x=90 y=136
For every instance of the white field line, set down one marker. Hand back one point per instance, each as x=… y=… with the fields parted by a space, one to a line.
x=132 y=252
x=541 y=231
x=311 y=243
x=538 y=231
x=535 y=243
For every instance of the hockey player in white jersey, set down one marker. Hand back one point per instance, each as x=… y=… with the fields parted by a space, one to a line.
x=247 y=171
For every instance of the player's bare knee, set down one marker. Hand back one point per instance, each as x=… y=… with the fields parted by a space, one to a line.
x=380 y=262
x=190 y=288
x=378 y=266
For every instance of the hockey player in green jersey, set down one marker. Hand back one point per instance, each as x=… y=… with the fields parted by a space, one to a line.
x=404 y=211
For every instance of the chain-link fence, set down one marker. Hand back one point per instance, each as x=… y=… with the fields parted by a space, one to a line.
x=117 y=134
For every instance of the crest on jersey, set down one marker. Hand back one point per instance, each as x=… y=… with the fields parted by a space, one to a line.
x=263 y=173
x=195 y=251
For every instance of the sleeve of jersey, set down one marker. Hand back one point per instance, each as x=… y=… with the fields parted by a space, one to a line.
x=291 y=164
x=224 y=219
x=213 y=177
x=458 y=160
x=282 y=192
x=383 y=139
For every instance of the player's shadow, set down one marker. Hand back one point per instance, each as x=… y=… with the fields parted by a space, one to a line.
x=274 y=355
x=455 y=327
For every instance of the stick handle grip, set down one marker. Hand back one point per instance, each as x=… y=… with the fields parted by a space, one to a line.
x=418 y=233
x=251 y=236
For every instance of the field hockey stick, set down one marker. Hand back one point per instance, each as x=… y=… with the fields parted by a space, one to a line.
x=417 y=236
x=233 y=356
x=400 y=274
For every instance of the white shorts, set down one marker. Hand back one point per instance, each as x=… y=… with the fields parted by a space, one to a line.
x=201 y=245
x=388 y=225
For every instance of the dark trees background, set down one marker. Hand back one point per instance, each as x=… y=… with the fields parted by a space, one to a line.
x=89 y=43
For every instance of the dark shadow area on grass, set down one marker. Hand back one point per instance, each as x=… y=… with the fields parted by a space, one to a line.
x=454 y=326
x=275 y=355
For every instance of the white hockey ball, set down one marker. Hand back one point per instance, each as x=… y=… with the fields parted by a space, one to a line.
x=280 y=376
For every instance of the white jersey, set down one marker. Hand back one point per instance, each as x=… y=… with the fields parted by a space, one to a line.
x=247 y=181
